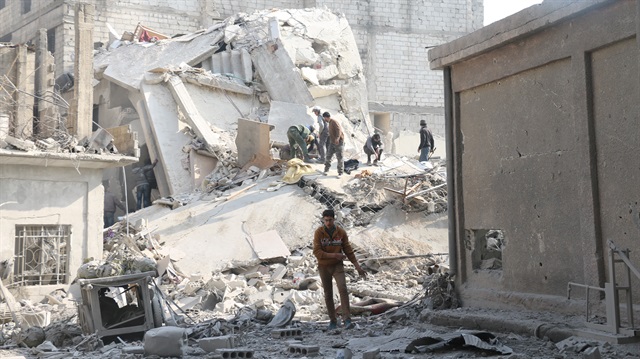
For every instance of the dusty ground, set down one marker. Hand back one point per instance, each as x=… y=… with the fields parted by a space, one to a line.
x=192 y=233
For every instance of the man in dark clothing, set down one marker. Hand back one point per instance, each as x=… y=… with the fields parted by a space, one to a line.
x=331 y=247
x=336 y=143
x=300 y=135
x=144 y=177
x=373 y=147
x=110 y=205
x=426 y=142
x=323 y=130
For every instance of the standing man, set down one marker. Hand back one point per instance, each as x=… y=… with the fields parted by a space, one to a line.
x=323 y=130
x=426 y=141
x=300 y=135
x=110 y=204
x=373 y=147
x=331 y=247
x=143 y=184
x=336 y=143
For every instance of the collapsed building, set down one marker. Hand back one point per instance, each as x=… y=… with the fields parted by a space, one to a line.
x=213 y=106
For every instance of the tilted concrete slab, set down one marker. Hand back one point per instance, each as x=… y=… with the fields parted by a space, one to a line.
x=219 y=110
x=208 y=236
x=279 y=74
x=126 y=65
x=217 y=81
x=198 y=124
x=253 y=140
x=166 y=130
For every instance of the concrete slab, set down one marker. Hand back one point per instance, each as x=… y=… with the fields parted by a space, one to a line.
x=253 y=141
x=268 y=245
x=166 y=130
x=127 y=65
x=215 y=231
x=279 y=74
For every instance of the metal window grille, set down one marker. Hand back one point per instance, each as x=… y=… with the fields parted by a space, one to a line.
x=41 y=254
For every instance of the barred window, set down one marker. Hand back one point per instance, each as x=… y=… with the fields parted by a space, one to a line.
x=42 y=254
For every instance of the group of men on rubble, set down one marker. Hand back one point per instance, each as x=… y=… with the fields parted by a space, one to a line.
x=327 y=136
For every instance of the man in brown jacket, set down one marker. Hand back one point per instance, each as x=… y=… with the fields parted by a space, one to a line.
x=336 y=144
x=331 y=246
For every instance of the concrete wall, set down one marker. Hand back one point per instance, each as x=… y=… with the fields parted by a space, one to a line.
x=544 y=133
x=392 y=37
x=52 y=196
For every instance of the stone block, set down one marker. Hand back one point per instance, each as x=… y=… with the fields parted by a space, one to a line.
x=371 y=354
x=214 y=343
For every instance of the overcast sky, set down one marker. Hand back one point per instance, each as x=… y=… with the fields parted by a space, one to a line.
x=495 y=10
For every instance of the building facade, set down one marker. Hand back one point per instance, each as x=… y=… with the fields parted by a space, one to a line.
x=392 y=36
x=543 y=134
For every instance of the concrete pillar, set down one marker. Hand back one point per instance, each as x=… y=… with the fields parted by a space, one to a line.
x=44 y=87
x=82 y=109
x=236 y=63
x=226 y=62
x=216 y=63
x=247 y=65
x=23 y=111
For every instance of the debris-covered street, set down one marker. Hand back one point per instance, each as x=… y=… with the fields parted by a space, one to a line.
x=184 y=191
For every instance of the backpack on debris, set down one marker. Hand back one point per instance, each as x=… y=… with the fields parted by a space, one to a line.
x=351 y=165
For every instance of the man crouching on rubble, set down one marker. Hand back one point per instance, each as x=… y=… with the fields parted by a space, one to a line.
x=331 y=246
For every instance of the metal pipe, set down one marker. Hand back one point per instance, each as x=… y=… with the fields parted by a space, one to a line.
x=126 y=198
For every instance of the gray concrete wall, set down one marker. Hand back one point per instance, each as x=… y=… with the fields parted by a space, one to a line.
x=545 y=131
x=52 y=196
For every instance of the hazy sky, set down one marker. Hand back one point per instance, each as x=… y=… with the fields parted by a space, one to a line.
x=495 y=10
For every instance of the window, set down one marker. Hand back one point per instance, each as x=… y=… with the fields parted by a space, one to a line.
x=51 y=41
x=26 y=6
x=41 y=254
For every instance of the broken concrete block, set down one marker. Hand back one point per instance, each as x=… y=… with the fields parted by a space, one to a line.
x=279 y=296
x=327 y=73
x=344 y=354
x=165 y=342
x=592 y=353
x=278 y=272
x=24 y=145
x=133 y=350
x=310 y=75
x=308 y=350
x=100 y=139
x=212 y=344
x=285 y=333
x=371 y=354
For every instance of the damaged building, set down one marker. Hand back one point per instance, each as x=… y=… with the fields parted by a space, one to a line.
x=543 y=134
x=51 y=170
x=401 y=89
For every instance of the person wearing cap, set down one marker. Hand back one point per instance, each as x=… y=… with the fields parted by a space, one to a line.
x=300 y=135
x=373 y=146
x=323 y=132
x=426 y=141
x=331 y=247
x=336 y=143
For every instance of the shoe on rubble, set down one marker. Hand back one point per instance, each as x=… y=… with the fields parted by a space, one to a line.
x=348 y=324
x=368 y=163
x=332 y=326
